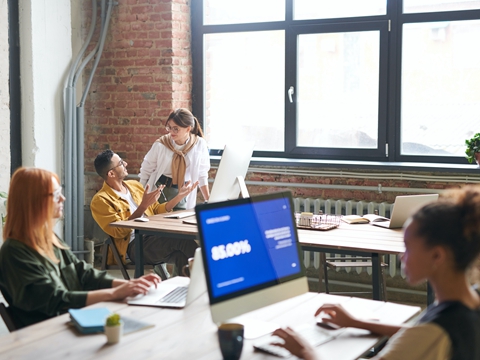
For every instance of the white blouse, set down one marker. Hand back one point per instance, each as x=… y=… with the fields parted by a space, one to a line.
x=158 y=161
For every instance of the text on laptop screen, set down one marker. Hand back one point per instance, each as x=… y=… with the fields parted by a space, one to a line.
x=249 y=243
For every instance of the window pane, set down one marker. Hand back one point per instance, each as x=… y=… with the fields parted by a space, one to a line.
x=244 y=88
x=242 y=11
x=338 y=81
x=440 y=87
x=316 y=9
x=419 y=6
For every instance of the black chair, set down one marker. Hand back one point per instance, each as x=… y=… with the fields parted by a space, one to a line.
x=7 y=318
x=343 y=262
x=110 y=244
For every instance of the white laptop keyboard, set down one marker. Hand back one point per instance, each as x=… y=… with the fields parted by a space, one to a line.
x=176 y=296
x=312 y=333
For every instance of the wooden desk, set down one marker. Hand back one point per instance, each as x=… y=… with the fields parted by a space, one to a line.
x=157 y=225
x=190 y=333
x=357 y=239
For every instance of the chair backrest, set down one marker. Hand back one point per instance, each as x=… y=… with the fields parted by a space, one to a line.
x=7 y=318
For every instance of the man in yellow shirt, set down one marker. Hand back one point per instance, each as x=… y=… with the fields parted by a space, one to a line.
x=121 y=199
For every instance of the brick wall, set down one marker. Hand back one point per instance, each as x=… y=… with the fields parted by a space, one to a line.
x=144 y=73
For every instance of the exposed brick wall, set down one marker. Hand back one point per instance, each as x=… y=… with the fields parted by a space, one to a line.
x=144 y=73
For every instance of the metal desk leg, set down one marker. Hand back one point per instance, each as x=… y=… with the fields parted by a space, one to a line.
x=138 y=254
x=376 y=276
x=430 y=294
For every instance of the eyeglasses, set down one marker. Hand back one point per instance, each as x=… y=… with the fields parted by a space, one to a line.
x=121 y=163
x=57 y=194
x=174 y=130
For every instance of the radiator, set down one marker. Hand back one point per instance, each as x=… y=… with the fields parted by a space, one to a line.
x=346 y=207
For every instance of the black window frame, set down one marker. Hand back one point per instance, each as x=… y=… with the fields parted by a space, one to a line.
x=389 y=126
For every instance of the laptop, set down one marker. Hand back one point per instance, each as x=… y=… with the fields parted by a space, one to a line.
x=177 y=292
x=403 y=207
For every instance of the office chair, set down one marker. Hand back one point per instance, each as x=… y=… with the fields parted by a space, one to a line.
x=343 y=262
x=110 y=244
x=7 y=318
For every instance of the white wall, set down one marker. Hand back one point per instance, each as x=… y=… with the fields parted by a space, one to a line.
x=45 y=55
x=4 y=105
x=4 y=102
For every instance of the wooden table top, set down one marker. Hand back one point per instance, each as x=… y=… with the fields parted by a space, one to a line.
x=159 y=223
x=355 y=237
x=190 y=333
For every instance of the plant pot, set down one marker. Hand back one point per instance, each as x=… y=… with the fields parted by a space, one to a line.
x=113 y=333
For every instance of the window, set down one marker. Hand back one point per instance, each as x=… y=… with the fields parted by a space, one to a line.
x=385 y=81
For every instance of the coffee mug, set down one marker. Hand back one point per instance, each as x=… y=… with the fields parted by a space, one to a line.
x=230 y=337
x=187 y=269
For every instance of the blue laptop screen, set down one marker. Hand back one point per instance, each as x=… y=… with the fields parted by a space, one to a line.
x=247 y=243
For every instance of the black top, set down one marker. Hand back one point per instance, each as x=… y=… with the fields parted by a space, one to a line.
x=462 y=326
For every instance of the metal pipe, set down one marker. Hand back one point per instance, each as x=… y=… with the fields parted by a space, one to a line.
x=70 y=139
x=103 y=35
x=81 y=178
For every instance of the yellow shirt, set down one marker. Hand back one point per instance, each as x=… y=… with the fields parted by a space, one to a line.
x=107 y=207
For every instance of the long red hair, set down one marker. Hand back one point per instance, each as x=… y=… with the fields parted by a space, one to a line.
x=30 y=210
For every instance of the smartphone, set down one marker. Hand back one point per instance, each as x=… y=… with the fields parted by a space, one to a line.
x=164 y=180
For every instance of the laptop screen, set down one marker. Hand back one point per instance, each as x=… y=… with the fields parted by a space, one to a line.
x=248 y=244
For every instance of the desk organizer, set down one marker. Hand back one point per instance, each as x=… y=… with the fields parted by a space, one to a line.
x=319 y=222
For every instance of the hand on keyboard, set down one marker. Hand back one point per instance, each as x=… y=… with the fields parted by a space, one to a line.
x=299 y=342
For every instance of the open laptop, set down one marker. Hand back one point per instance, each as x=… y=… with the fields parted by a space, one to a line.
x=178 y=293
x=403 y=207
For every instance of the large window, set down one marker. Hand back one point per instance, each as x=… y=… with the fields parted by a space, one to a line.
x=347 y=80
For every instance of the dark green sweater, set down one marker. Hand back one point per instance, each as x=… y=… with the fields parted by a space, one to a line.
x=38 y=289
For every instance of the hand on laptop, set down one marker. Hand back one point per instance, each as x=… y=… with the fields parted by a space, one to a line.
x=295 y=343
x=135 y=286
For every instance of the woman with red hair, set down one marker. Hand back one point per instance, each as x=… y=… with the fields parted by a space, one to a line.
x=39 y=276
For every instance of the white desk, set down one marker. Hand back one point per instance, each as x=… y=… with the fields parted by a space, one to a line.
x=189 y=333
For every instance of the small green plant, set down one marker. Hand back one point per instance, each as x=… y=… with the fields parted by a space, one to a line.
x=473 y=146
x=113 y=320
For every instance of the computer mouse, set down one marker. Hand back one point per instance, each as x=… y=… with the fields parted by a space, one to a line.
x=142 y=219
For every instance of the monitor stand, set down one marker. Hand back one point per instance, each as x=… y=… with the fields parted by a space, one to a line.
x=254 y=328
x=243 y=187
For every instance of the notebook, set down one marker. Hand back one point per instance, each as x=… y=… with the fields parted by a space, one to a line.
x=179 y=293
x=89 y=321
x=403 y=207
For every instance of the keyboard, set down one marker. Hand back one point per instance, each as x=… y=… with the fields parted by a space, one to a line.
x=314 y=335
x=176 y=296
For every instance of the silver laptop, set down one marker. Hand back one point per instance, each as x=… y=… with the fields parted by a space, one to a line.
x=177 y=292
x=403 y=207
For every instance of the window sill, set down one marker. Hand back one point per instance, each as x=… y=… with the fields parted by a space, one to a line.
x=471 y=169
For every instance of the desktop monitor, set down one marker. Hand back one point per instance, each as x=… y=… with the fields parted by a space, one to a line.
x=251 y=255
x=230 y=179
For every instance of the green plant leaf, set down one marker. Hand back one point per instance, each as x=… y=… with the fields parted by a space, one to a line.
x=113 y=320
x=473 y=146
x=3 y=194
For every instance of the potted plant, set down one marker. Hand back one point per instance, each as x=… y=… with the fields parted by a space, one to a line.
x=113 y=328
x=473 y=149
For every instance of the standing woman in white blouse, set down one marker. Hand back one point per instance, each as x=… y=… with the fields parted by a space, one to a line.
x=179 y=156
